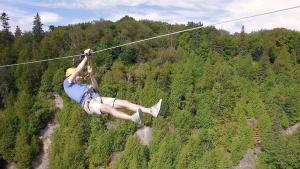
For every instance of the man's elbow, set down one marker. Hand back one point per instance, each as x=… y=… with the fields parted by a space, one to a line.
x=95 y=86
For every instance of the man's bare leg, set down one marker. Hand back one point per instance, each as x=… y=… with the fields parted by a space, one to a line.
x=136 y=117
x=114 y=112
x=130 y=106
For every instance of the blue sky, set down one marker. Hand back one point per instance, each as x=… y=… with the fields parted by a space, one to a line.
x=64 y=12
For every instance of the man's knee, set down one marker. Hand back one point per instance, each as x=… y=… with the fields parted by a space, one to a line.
x=106 y=108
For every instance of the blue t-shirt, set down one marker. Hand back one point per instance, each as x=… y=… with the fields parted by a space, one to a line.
x=75 y=91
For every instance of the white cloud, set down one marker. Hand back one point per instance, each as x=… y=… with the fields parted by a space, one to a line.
x=150 y=15
x=12 y=11
x=16 y=16
x=172 y=11
x=211 y=12
x=24 y=19
x=100 y=4
x=75 y=4
x=237 y=8
x=49 y=17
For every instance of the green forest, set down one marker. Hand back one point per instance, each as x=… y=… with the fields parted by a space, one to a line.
x=212 y=83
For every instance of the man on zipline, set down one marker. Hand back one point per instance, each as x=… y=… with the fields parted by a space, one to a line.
x=93 y=103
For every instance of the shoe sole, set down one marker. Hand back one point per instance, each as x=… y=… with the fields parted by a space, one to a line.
x=141 y=116
x=160 y=101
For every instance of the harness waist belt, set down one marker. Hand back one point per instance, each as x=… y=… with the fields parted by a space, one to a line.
x=88 y=95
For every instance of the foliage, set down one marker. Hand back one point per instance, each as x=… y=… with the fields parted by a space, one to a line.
x=133 y=155
x=211 y=82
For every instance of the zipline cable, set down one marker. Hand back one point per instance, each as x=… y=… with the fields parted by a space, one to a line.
x=155 y=37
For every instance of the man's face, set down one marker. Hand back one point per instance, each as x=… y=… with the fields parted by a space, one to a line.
x=78 y=78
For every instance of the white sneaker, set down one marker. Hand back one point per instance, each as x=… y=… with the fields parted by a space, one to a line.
x=138 y=116
x=154 y=110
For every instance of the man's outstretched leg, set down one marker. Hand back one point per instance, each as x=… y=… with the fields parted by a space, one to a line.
x=136 y=117
x=154 y=110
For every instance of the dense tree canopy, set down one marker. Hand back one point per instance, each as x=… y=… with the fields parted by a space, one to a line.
x=212 y=82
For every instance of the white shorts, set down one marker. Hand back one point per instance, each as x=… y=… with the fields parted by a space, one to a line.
x=94 y=105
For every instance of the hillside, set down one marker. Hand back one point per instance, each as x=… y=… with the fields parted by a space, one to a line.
x=211 y=82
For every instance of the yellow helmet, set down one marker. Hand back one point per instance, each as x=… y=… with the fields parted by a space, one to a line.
x=70 y=71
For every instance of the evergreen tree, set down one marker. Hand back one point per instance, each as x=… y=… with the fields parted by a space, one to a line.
x=243 y=31
x=166 y=154
x=37 y=29
x=23 y=152
x=8 y=128
x=18 y=32
x=199 y=142
x=242 y=41
x=218 y=158
x=133 y=156
x=100 y=144
x=51 y=28
x=4 y=19
x=5 y=35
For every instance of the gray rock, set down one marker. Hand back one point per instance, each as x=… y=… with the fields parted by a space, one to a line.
x=248 y=162
x=145 y=135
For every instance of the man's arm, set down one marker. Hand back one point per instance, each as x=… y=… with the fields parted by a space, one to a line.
x=78 y=69
x=94 y=81
x=92 y=76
